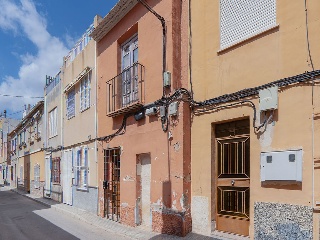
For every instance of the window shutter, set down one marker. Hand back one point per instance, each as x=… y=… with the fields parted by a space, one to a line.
x=85 y=179
x=242 y=19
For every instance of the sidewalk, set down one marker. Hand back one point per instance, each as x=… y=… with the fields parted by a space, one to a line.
x=111 y=226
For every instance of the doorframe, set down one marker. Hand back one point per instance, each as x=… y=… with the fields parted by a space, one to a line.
x=214 y=170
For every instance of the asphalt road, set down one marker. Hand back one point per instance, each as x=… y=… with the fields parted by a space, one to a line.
x=24 y=219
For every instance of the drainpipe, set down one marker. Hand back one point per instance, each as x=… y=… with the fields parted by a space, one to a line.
x=96 y=122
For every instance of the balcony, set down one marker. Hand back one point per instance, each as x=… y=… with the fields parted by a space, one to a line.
x=126 y=91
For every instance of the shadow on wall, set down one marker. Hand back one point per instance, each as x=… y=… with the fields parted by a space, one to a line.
x=169 y=220
x=189 y=236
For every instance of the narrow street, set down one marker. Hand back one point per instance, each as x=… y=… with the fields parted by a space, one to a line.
x=24 y=219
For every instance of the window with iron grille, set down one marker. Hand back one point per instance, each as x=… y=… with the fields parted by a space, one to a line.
x=53 y=123
x=71 y=111
x=85 y=92
x=81 y=168
x=37 y=176
x=55 y=170
x=242 y=19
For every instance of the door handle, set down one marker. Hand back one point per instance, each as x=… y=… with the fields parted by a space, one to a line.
x=232 y=182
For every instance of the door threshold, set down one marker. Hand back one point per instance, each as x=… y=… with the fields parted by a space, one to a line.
x=227 y=235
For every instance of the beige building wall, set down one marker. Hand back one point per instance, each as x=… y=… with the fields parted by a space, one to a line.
x=82 y=127
x=275 y=54
x=80 y=130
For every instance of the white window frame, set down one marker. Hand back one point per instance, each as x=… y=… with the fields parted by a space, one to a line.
x=81 y=168
x=53 y=123
x=129 y=88
x=71 y=103
x=36 y=176
x=85 y=90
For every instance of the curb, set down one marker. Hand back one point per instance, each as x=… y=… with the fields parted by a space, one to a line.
x=34 y=199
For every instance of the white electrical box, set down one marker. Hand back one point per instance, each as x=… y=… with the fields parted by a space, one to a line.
x=281 y=166
x=151 y=111
x=173 y=109
x=268 y=99
x=167 y=79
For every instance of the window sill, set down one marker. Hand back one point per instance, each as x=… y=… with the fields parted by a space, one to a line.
x=225 y=49
x=68 y=118
x=83 y=110
x=53 y=136
x=82 y=189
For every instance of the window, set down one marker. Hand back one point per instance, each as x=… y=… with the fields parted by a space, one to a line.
x=14 y=144
x=129 y=80
x=81 y=168
x=242 y=19
x=37 y=176
x=55 y=170
x=53 y=123
x=85 y=92
x=71 y=111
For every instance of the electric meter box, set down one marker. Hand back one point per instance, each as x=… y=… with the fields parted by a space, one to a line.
x=281 y=166
x=173 y=109
x=268 y=99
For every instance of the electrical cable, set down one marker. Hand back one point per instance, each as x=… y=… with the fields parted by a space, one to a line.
x=214 y=103
x=164 y=36
x=19 y=96
x=307 y=34
x=190 y=50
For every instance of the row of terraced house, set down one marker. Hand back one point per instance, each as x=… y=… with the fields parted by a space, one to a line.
x=183 y=116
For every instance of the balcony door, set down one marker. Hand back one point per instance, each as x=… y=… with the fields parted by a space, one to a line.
x=129 y=71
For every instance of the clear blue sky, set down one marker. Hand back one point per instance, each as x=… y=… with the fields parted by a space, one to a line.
x=34 y=36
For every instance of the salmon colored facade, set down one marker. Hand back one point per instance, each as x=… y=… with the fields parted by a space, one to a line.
x=280 y=200
x=143 y=172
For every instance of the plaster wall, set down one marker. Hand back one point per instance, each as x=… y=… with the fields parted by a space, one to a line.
x=52 y=101
x=170 y=158
x=81 y=127
x=273 y=55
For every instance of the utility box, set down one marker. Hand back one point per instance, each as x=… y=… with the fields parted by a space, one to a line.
x=166 y=79
x=151 y=111
x=281 y=166
x=173 y=109
x=268 y=99
x=162 y=111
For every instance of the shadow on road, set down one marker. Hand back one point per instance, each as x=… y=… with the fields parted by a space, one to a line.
x=18 y=220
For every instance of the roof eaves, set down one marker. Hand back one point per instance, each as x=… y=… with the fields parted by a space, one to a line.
x=112 y=18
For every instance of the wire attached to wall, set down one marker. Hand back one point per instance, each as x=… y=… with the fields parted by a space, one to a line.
x=19 y=96
x=164 y=36
x=307 y=34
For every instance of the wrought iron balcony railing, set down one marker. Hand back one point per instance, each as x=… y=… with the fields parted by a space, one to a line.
x=126 y=91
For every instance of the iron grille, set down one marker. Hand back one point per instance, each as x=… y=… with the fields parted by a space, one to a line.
x=112 y=183
x=126 y=89
x=233 y=157
x=234 y=201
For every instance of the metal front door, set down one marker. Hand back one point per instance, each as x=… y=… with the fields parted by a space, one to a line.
x=233 y=176
x=27 y=173
x=112 y=183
